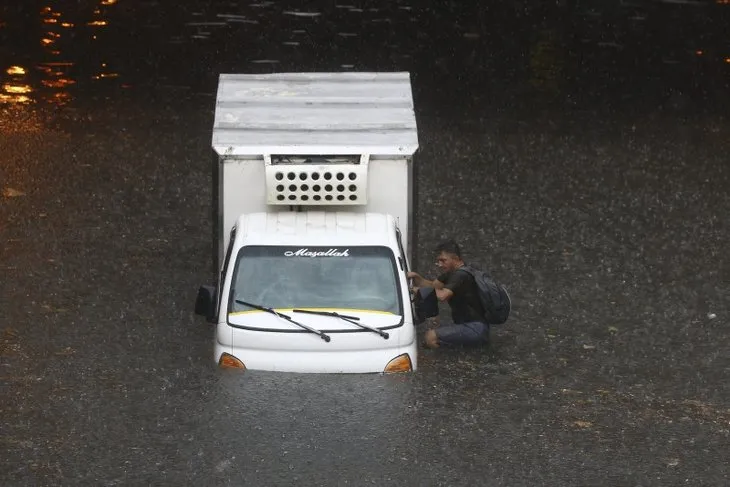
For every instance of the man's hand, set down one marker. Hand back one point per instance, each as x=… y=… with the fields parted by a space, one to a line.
x=417 y=278
x=420 y=281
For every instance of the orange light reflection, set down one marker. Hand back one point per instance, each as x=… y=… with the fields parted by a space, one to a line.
x=14 y=98
x=17 y=89
x=58 y=83
x=15 y=70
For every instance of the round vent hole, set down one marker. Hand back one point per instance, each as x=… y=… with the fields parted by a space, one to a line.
x=305 y=197
x=304 y=187
x=353 y=188
x=340 y=197
x=340 y=176
x=328 y=197
x=292 y=187
x=291 y=176
x=328 y=187
x=340 y=188
x=316 y=187
x=353 y=197
x=315 y=176
x=280 y=197
x=352 y=176
x=302 y=176
x=280 y=188
x=316 y=197
x=292 y=197
x=279 y=176
x=327 y=176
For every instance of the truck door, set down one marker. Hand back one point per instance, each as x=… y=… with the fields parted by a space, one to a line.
x=224 y=269
x=403 y=258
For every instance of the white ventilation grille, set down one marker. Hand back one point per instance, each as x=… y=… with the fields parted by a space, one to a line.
x=310 y=184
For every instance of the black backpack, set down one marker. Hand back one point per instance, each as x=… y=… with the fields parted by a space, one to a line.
x=493 y=296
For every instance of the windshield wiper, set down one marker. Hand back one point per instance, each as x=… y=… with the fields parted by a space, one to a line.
x=350 y=319
x=288 y=318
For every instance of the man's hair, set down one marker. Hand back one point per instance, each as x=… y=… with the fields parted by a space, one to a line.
x=450 y=247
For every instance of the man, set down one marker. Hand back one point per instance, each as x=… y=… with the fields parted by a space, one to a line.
x=459 y=289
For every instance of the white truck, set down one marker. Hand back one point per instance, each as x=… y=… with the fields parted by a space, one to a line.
x=314 y=217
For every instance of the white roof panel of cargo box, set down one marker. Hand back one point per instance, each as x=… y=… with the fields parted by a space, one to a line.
x=315 y=113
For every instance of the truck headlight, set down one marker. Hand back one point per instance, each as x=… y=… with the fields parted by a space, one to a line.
x=228 y=361
x=402 y=363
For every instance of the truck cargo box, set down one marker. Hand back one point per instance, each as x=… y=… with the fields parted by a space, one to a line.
x=313 y=141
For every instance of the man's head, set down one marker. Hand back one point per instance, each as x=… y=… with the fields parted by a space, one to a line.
x=448 y=256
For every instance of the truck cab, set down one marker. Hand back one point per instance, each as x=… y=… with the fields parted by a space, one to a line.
x=313 y=210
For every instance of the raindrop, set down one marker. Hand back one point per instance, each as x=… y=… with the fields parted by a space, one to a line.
x=302 y=14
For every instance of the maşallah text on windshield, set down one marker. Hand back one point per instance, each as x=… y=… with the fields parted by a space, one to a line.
x=310 y=253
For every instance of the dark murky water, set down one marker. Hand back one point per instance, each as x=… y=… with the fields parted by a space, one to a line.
x=578 y=150
x=631 y=52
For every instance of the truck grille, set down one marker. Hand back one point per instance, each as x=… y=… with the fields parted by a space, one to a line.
x=306 y=184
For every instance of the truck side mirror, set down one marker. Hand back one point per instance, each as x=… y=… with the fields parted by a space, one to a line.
x=426 y=304
x=205 y=303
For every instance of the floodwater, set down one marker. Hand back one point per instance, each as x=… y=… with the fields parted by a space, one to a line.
x=579 y=151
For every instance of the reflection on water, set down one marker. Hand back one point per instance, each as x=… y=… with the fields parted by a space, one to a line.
x=15 y=91
x=65 y=47
x=48 y=75
x=546 y=62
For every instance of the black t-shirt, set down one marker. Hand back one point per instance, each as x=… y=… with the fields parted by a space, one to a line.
x=465 y=304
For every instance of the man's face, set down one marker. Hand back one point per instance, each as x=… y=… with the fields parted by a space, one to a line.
x=447 y=262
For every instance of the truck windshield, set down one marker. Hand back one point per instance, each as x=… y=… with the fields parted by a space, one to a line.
x=362 y=278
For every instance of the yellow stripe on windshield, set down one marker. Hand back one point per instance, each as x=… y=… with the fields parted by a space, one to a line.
x=339 y=310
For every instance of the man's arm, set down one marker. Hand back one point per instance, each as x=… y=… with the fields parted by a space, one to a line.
x=442 y=293
x=454 y=280
x=420 y=281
